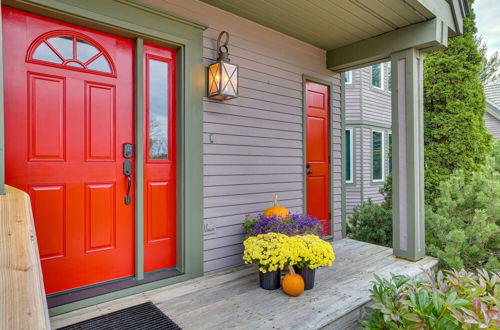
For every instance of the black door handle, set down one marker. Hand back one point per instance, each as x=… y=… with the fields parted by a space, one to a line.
x=309 y=172
x=308 y=165
x=127 y=171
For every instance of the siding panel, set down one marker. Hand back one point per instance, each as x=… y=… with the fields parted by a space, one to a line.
x=253 y=144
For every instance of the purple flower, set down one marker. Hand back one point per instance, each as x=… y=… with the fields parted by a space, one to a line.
x=295 y=224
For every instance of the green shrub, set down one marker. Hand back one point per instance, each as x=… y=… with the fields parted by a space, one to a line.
x=449 y=300
x=464 y=229
x=455 y=135
x=371 y=223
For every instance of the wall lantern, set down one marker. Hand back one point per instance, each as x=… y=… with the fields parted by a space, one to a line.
x=222 y=75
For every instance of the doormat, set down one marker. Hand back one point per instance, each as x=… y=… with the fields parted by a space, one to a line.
x=140 y=317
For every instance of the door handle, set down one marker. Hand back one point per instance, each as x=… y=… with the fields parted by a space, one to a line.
x=308 y=165
x=127 y=171
x=309 y=172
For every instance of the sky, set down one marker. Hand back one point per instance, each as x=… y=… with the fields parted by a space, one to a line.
x=488 y=23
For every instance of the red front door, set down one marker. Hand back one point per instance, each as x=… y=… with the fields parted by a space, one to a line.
x=318 y=153
x=68 y=110
x=159 y=158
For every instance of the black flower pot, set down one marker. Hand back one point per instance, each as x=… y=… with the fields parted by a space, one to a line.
x=308 y=276
x=270 y=280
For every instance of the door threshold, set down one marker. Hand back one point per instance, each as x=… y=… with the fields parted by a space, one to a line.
x=69 y=296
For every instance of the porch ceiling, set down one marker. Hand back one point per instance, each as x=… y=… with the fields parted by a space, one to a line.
x=337 y=24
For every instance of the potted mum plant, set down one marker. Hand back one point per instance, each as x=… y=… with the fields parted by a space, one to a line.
x=312 y=252
x=270 y=252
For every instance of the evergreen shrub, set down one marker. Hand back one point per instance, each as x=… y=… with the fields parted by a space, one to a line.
x=463 y=231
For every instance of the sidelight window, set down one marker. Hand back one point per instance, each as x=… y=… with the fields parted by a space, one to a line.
x=158 y=108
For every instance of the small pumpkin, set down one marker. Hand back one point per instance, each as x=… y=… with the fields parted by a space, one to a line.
x=293 y=284
x=275 y=210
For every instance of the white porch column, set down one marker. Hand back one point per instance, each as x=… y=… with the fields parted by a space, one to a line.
x=408 y=154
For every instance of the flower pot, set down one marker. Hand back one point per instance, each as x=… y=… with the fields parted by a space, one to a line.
x=270 y=280
x=308 y=276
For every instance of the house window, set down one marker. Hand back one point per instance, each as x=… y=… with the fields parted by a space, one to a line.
x=349 y=156
x=377 y=76
x=390 y=153
x=377 y=156
x=348 y=77
x=71 y=51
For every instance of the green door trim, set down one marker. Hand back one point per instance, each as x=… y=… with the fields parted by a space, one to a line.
x=139 y=158
x=146 y=24
x=306 y=78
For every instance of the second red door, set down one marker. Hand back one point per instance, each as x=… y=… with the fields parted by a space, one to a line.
x=318 y=153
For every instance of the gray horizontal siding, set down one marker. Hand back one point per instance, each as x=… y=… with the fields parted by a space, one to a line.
x=253 y=145
x=493 y=125
x=374 y=109
x=376 y=102
x=353 y=97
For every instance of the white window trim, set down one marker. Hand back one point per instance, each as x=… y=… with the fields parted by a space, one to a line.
x=386 y=77
x=382 y=150
x=381 y=77
x=351 y=155
x=389 y=134
x=349 y=81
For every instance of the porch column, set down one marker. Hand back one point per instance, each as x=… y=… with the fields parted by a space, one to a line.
x=408 y=154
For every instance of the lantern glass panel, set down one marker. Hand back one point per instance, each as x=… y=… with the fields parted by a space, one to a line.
x=229 y=75
x=213 y=78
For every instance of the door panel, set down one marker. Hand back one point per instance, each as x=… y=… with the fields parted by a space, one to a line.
x=160 y=159
x=318 y=153
x=68 y=109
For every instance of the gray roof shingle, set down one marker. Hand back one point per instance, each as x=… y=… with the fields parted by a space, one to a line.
x=492 y=93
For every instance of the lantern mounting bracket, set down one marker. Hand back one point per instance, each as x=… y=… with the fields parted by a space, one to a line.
x=223 y=51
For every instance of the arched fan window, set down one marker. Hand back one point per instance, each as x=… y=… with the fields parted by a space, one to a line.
x=71 y=50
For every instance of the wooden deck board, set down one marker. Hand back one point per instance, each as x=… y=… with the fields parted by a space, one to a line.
x=233 y=300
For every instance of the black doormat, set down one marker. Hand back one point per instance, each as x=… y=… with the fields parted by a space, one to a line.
x=140 y=317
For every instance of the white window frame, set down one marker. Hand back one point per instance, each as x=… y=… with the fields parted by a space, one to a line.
x=351 y=155
x=381 y=76
x=348 y=75
x=387 y=76
x=389 y=159
x=382 y=150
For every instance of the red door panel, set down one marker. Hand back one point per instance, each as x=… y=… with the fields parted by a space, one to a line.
x=159 y=167
x=68 y=110
x=318 y=153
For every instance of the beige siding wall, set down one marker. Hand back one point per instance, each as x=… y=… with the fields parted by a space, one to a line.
x=253 y=145
x=493 y=125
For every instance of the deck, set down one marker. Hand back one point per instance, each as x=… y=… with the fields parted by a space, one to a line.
x=233 y=299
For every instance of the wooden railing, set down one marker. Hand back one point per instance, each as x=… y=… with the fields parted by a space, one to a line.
x=22 y=295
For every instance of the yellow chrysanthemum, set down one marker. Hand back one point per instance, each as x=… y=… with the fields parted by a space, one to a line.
x=274 y=251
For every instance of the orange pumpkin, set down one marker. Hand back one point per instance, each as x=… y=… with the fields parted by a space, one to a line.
x=275 y=210
x=293 y=284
